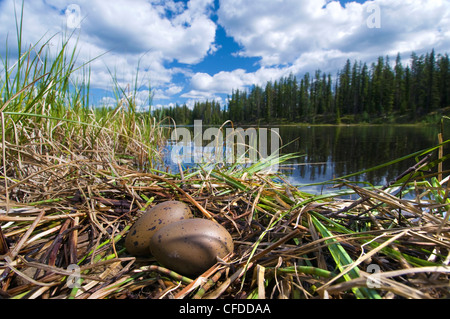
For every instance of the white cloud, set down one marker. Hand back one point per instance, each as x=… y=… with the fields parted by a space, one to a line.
x=140 y=27
x=164 y=94
x=281 y=31
x=298 y=36
x=108 y=101
x=222 y=82
x=199 y=95
x=152 y=34
x=205 y=86
x=174 y=89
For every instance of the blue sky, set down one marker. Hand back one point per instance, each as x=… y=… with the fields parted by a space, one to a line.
x=203 y=49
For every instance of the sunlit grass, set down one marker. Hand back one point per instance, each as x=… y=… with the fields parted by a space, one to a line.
x=45 y=103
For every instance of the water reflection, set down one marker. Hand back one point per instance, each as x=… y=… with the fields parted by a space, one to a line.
x=334 y=151
x=328 y=152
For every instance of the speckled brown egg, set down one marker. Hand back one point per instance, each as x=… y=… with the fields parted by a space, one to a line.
x=190 y=246
x=138 y=238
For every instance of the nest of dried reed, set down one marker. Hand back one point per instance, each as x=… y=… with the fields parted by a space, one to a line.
x=65 y=214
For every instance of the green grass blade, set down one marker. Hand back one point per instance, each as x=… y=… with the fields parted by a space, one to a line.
x=342 y=260
x=412 y=155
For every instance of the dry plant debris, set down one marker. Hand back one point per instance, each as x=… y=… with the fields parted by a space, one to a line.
x=64 y=217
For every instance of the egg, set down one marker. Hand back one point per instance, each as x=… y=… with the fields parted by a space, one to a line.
x=189 y=247
x=138 y=238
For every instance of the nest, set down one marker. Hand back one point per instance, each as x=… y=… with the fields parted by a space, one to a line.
x=65 y=215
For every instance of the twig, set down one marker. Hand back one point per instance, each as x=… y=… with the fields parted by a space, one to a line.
x=189 y=197
x=221 y=289
x=264 y=252
x=24 y=238
x=382 y=284
x=210 y=283
x=410 y=170
x=364 y=257
x=9 y=262
x=73 y=243
x=45 y=218
x=201 y=280
x=4 y=158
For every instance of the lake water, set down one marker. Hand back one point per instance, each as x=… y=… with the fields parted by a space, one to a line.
x=327 y=152
x=334 y=151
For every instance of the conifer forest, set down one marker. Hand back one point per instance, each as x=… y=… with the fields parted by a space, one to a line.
x=358 y=93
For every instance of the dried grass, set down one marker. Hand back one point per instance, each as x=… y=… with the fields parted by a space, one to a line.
x=68 y=208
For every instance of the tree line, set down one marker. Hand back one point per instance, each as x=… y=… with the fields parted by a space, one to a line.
x=358 y=92
x=210 y=112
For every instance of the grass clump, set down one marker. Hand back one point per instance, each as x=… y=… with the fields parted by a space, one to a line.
x=288 y=244
x=47 y=121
